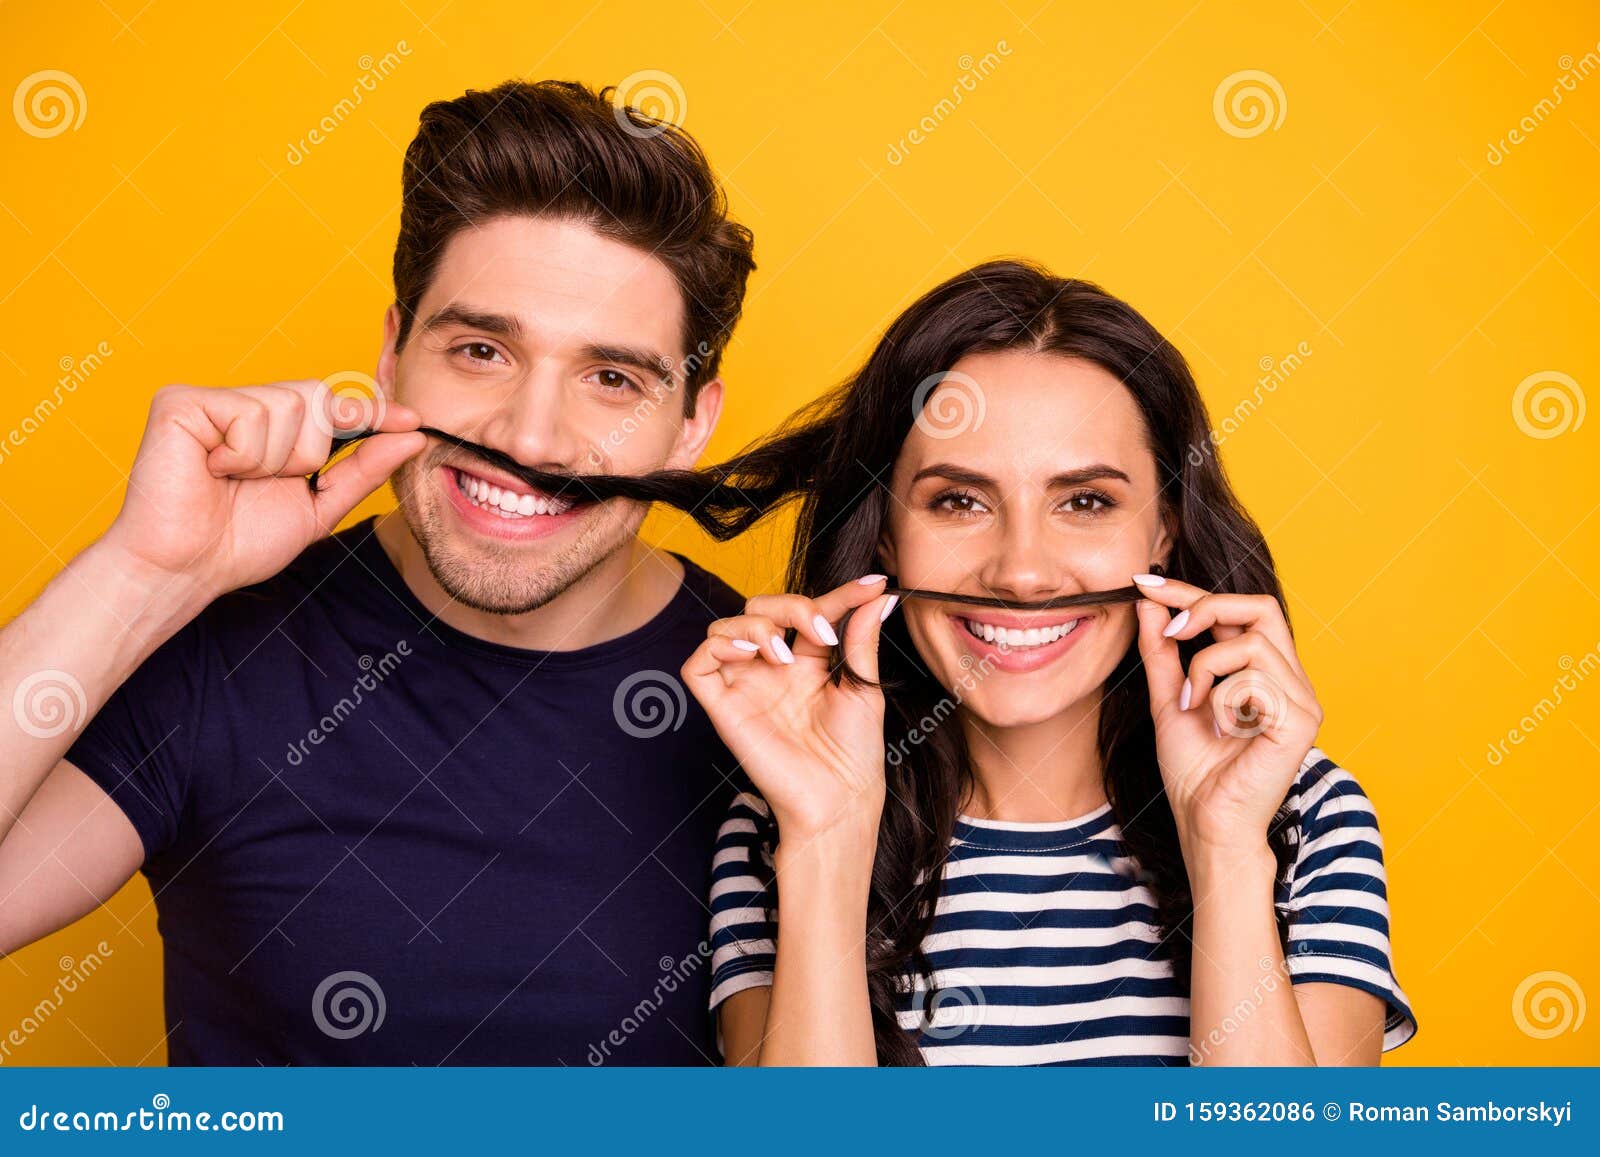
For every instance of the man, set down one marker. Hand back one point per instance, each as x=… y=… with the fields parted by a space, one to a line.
x=424 y=791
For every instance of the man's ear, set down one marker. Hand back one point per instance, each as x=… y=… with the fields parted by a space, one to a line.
x=388 y=357
x=698 y=428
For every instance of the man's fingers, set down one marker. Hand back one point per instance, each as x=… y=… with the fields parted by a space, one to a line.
x=357 y=475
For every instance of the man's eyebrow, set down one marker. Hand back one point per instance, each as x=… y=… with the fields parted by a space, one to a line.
x=1077 y=477
x=646 y=361
x=466 y=317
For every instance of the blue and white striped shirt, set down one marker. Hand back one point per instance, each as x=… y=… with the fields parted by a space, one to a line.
x=1044 y=953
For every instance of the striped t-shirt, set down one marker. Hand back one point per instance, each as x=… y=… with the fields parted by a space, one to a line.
x=1045 y=953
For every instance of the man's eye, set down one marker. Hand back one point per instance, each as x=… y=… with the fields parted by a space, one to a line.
x=615 y=380
x=477 y=351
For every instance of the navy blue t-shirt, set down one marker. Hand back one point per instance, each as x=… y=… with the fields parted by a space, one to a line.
x=374 y=839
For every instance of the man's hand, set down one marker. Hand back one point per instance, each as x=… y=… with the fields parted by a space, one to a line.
x=217 y=495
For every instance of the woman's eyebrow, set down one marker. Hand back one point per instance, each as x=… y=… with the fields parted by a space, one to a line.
x=1077 y=477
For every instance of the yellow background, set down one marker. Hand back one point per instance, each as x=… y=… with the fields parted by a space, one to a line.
x=1440 y=560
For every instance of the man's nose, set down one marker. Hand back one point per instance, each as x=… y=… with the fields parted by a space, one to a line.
x=534 y=424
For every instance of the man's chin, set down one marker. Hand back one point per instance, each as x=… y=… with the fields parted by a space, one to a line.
x=506 y=577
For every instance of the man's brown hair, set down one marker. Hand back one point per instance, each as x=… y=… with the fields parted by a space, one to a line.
x=561 y=149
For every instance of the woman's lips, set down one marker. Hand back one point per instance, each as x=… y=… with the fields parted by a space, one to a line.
x=1004 y=655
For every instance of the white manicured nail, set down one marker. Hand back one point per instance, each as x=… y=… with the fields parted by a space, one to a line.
x=1183 y=697
x=888 y=606
x=781 y=649
x=824 y=631
x=1178 y=622
x=745 y=644
x=867 y=580
x=1149 y=580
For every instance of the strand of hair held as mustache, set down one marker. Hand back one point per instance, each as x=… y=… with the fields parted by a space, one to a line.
x=724 y=500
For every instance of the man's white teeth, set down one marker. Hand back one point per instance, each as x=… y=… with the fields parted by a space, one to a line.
x=1011 y=637
x=508 y=503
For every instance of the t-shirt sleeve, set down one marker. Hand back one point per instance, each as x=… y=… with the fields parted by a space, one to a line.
x=1338 y=896
x=744 y=926
x=139 y=747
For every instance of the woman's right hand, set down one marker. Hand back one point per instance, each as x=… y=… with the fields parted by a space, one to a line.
x=815 y=750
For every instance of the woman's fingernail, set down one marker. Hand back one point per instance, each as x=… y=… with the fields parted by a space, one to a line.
x=1179 y=621
x=824 y=631
x=888 y=606
x=1217 y=727
x=745 y=644
x=1149 y=580
x=781 y=649
x=867 y=580
x=1183 y=697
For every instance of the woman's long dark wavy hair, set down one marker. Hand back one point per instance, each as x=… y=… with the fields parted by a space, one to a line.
x=836 y=457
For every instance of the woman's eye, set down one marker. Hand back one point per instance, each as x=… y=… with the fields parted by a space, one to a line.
x=615 y=380
x=1089 y=502
x=958 y=502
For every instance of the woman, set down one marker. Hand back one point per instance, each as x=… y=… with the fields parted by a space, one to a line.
x=1099 y=835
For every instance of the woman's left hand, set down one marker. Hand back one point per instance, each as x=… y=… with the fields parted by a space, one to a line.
x=1231 y=736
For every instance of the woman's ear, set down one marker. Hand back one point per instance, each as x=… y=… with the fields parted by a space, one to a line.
x=886 y=552
x=1166 y=542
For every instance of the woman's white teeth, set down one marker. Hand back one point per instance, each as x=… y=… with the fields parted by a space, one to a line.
x=509 y=503
x=1012 y=637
